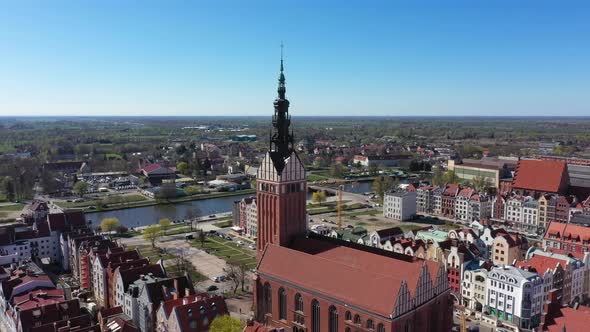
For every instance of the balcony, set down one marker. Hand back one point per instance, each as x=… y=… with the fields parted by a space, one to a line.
x=299 y=320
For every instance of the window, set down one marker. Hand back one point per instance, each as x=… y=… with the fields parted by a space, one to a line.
x=380 y=328
x=348 y=316
x=315 y=316
x=357 y=319
x=282 y=304
x=333 y=319
x=298 y=302
x=267 y=299
x=370 y=324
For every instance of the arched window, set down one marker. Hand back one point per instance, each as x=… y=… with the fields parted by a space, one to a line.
x=315 y=316
x=282 y=303
x=380 y=328
x=298 y=302
x=357 y=319
x=370 y=325
x=333 y=319
x=347 y=329
x=348 y=316
x=267 y=299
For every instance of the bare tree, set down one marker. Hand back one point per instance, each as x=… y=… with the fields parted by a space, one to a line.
x=236 y=273
x=193 y=214
x=181 y=261
x=202 y=237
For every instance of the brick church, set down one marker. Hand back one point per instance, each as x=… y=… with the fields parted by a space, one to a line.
x=307 y=282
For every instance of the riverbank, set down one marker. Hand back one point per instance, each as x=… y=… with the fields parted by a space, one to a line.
x=145 y=203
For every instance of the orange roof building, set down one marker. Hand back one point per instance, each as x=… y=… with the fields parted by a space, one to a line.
x=536 y=177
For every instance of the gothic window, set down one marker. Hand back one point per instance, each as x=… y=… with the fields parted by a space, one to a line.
x=357 y=319
x=333 y=319
x=348 y=316
x=315 y=316
x=380 y=328
x=370 y=324
x=282 y=304
x=298 y=302
x=267 y=299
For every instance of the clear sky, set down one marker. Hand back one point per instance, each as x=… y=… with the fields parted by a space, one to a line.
x=123 y=57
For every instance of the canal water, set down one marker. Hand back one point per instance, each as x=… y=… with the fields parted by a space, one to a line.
x=147 y=215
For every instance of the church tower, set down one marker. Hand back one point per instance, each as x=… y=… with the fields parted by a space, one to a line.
x=281 y=185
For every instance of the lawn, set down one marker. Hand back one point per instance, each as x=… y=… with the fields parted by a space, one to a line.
x=228 y=251
x=223 y=224
x=13 y=207
x=315 y=177
x=363 y=213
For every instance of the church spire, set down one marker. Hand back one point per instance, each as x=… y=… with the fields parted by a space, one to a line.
x=282 y=139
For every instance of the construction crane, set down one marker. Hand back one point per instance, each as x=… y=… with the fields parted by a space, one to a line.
x=463 y=322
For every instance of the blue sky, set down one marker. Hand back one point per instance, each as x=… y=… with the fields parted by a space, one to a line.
x=471 y=57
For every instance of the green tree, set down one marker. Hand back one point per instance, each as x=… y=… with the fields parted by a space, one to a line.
x=108 y=225
x=450 y=177
x=318 y=197
x=437 y=177
x=481 y=183
x=80 y=188
x=182 y=167
x=373 y=169
x=152 y=233
x=8 y=188
x=226 y=323
x=382 y=185
x=48 y=182
x=164 y=224
x=191 y=190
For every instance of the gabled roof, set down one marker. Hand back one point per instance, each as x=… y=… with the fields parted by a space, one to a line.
x=390 y=232
x=133 y=274
x=451 y=189
x=570 y=320
x=190 y=316
x=161 y=290
x=540 y=264
x=49 y=313
x=540 y=175
x=38 y=298
x=321 y=268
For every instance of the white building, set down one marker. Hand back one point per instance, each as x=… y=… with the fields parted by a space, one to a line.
x=252 y=219
x=473 y=289
x=399 y=205
x=514 y=297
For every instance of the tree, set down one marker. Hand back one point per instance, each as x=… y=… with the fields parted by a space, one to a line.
x=182 y=167
x=226 y=323
x=450 y=177
x=167 y=191
x=181 y=262
x=437 y=177
x=382 y=185
x=192 y=214
x=8 y=188
x=48 y=182
x=164 y=224
x=121 y=229
x=80 y=188
x=373 y=169
x=318 y=197
x=108 y=225
x=152 y=233
x=336 y=170
x=202 y=237
x=191 y=190
x=236 y=273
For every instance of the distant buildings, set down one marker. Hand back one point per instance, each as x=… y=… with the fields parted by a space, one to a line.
x=491 y=168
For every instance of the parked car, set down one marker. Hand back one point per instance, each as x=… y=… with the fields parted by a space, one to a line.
x=212 y=288
x=212 y=216
x=189 y=236
x=252 y=247
x=240 y=242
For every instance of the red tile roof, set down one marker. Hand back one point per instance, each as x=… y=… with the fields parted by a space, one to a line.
x=49 y=313
x=567 y=232
x=322 y=272
x=38 y=297
x=541 y=263
x=189 y=314
x=539 y=175
x=570 y=320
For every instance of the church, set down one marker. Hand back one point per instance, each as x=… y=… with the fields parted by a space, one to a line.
x=305 y=282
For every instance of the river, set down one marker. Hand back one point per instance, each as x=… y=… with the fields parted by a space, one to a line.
x=147 y=215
